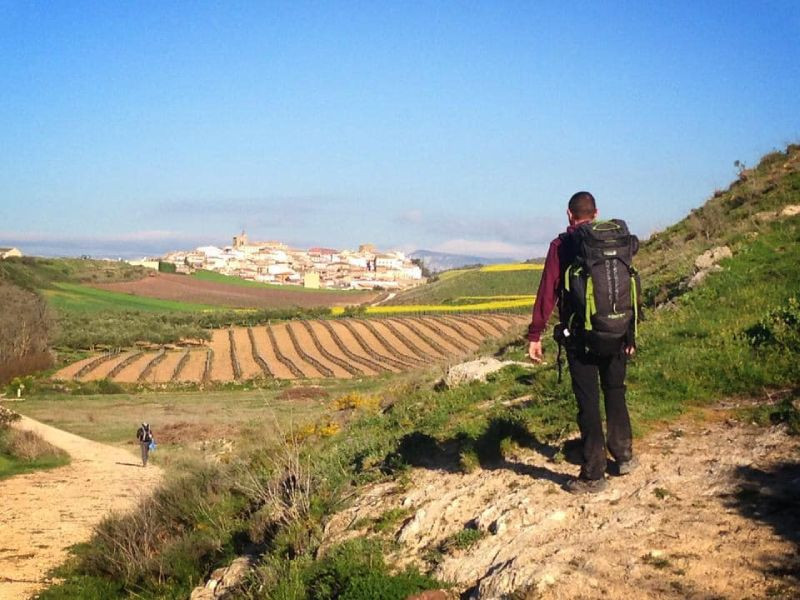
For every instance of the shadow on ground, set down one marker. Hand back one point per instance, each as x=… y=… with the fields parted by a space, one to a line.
x=490 y=451
x=773 y=497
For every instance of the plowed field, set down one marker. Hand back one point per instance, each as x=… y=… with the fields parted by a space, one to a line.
x=185 y=288
x=340 y=348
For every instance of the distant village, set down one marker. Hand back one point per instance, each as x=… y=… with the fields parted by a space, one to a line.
x=275 y=262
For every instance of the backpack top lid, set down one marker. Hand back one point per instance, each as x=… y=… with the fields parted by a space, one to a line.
x=603 y=240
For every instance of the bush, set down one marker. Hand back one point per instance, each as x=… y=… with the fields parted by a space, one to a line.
x=355 y=570
x=170 y=539
x=27 y=446
x=779 y=328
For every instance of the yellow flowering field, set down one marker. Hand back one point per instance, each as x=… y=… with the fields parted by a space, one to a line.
x=512 y=267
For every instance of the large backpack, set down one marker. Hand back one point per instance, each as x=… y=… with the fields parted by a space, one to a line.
x=601 y=291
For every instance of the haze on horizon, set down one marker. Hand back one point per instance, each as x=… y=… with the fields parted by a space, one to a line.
x=136 y=128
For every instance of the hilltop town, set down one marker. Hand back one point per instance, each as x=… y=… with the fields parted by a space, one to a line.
x=275 y=262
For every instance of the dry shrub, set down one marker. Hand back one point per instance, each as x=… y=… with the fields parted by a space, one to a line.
x=280 y=486
x=26 y=445
x=183 y=525
x=25 y=326
x=7 y=416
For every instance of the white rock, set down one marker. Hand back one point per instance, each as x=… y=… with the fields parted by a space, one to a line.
x=558 y=516
x=411 y=528
x=498 y=527
x=476 y=370
x=700 y=276
x=791 y=210
x=711 y=257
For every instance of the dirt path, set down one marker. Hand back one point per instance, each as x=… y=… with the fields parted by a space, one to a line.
x=43 y=513
x=713 y=511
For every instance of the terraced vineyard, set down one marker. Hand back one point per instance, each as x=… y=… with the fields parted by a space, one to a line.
x=340 y=348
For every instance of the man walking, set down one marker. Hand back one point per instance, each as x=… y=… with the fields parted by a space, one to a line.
x=585 y=364
x=145 y=437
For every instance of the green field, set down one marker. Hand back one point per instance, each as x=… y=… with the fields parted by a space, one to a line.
x=41 y=273
x=78 y=298
x=454 y=285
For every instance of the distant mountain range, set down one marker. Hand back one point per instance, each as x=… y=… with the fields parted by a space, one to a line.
x=441 y=261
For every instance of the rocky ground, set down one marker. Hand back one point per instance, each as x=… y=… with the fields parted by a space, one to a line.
x=711 y=512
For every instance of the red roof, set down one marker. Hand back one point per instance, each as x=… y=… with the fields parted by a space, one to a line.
x=322 y=251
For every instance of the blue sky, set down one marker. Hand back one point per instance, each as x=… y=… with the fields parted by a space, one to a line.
x=131 y=128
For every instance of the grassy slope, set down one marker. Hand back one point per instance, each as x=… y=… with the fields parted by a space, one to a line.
x=728 y=217
x=42 y=273
x=692 y=351
x=77 y=298
x=452 y=285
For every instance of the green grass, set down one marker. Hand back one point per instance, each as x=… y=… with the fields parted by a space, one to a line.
x=452 y=285
x=693 y=351
x=40 y=273
x=10 y=466
x=238 y=281
x=77 y=298
x=32 y=454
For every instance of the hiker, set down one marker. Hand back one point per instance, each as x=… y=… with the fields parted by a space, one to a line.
x=145 y=437
x=588 y=274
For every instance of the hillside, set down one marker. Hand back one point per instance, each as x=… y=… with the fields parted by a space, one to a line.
x=418 y=486
x=443 y=261
x=730 y=217
x=466 y=286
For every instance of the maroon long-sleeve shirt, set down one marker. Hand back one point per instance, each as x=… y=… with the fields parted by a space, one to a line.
x=547 y=296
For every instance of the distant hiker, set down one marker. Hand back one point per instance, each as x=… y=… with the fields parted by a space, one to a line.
x=145 y=437
x=588 y=274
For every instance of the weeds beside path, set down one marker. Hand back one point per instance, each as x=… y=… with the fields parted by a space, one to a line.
x=44 y=513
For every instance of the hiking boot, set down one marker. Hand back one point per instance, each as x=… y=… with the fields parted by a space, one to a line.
x=626 y=466
x=585 y=486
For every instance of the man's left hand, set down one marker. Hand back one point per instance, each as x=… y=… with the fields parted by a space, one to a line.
x=630 y=350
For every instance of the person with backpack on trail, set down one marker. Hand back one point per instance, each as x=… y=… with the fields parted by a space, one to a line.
x=146 y=441
x=588 y=274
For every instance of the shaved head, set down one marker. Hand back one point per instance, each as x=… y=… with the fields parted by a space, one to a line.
x=582 y=205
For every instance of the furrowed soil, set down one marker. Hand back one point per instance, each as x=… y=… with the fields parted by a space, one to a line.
x=304 y=339
x=397 y=349
x=250 y=368
x=193 y=371
x=103 y=369
x=167 y=286
x=70 y=371
x=267 y=352
x=712 y=511
x=131 y=373
x=222 y=368
x=163 y=371
x=287 y=349
x=43 y=513
x=426 y=339
x=347 y=340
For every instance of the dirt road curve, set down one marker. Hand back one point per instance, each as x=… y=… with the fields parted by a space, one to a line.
x=43 y=513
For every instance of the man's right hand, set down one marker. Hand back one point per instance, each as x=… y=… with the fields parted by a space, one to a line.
x=535 y=351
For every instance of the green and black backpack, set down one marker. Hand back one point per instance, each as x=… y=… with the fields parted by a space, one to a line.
x=600 y=292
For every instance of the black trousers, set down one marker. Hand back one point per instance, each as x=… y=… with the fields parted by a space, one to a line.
x=584 y=369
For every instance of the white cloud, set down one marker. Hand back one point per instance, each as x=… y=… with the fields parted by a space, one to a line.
x=133 y=236
x=491 y=248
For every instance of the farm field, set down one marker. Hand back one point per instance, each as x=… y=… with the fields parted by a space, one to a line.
x=312 y=349
x=218 y=290
x=514 y=283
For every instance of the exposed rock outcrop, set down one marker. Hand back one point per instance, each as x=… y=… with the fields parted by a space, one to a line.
x=476 y=370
